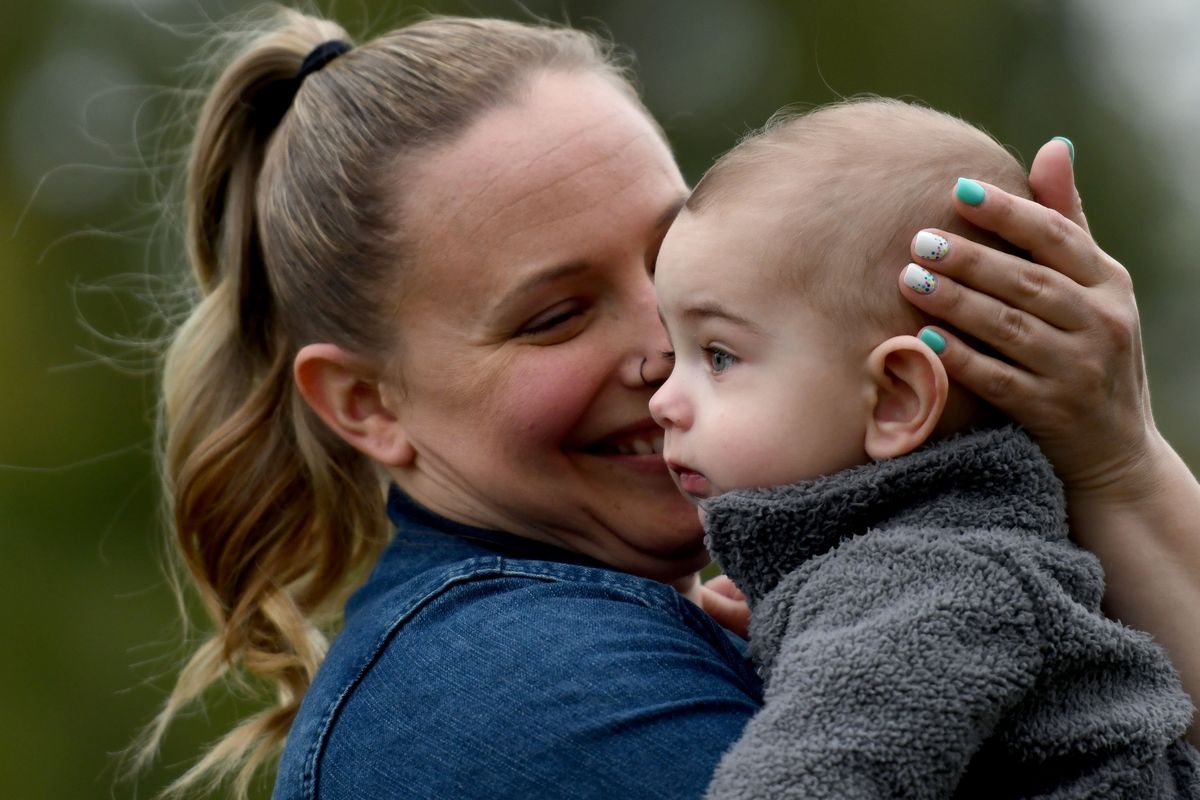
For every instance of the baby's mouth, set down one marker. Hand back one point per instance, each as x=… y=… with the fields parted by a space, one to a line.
x=692 y=483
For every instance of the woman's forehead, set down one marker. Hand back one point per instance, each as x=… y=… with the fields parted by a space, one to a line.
x=573 y=151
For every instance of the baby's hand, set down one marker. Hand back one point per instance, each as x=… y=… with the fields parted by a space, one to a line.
x=725 y=603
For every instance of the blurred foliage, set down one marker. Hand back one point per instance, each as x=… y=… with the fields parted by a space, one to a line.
x=92 y=141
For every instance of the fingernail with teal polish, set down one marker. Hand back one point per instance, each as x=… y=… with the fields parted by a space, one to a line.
x=933 y=340
x=919 y=279
x=1070 y=145
x=969 y=192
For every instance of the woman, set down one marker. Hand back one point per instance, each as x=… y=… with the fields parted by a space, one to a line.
x=427 y=262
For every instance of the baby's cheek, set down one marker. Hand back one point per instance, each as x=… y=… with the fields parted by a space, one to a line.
x=748 y=454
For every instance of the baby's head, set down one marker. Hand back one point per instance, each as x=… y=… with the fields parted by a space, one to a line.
x=794 y=350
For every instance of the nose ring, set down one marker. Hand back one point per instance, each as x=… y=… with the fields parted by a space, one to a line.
x=642 y=372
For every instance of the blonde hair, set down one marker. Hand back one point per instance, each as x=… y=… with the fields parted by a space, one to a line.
x=294 y=236
x=859 y=178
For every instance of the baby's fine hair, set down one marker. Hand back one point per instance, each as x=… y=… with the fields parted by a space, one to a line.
x=862 y=176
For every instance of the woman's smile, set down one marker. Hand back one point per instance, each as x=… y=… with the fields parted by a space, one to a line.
x=643 y=438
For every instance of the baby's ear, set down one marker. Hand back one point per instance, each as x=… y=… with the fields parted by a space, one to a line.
x=908 y=389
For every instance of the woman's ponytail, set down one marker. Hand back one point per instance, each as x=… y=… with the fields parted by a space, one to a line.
x=270 y=513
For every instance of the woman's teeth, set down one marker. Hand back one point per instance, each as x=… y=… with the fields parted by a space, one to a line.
x=640 y=447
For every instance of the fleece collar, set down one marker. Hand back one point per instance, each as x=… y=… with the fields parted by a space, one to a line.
x=991 y=479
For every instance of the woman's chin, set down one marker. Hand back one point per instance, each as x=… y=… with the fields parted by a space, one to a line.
x=678 y=542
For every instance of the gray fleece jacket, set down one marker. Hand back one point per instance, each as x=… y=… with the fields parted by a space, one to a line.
x=926 y=630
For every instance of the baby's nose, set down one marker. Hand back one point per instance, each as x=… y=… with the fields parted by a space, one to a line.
x=667 y=407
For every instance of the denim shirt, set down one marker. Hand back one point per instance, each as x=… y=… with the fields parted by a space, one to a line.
x=475 y=663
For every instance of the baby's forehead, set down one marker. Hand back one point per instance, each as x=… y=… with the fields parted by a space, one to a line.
x=729 y=255
x=797 y=231
x=742 y=230
x=737 y=247
x=786 y=202
x=776 y=216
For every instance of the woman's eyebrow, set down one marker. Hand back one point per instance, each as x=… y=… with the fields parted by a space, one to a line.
x=538 y=278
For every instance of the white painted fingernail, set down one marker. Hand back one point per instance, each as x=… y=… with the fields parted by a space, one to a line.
x=930 y=246
x=919 y=279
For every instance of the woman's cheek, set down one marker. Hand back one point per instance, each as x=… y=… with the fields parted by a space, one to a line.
x=549 y=394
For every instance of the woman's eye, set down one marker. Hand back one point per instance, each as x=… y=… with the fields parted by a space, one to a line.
x=550 y=320
x=718 y=359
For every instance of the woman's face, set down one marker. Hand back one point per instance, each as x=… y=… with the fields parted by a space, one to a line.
x=524 y=323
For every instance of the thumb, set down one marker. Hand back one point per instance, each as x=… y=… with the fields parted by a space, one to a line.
x=724 y=586
x=1052 y=179
x=725 y=604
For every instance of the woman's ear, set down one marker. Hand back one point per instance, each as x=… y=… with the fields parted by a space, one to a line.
x=908 y=389
x=348 y=397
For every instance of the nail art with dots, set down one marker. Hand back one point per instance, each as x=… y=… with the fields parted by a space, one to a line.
x=930 y=246
x=919 y=279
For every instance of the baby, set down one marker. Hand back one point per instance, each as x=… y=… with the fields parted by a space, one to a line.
x=923 y=625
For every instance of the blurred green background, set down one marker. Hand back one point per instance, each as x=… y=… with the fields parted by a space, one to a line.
x=91 y=138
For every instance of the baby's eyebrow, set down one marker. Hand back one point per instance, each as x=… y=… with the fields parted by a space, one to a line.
x=707 y=310
x=711 y=309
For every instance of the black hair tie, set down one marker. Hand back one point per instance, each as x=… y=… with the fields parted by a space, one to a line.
x=321 y=55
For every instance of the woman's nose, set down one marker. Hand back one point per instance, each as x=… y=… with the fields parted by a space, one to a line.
x=650 y=365
x=655 y=369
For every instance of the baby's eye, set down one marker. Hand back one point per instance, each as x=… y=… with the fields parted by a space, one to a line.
x=718 y=359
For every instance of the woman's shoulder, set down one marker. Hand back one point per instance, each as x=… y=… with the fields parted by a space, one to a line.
x=525 y=659
x=479 y=583
x=479 y=612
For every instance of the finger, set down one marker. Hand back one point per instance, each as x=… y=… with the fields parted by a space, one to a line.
x=1052 y=179
x=1048 y=236
x=1038 y=290
x=724 y=586
x=733 y=615
x=1021 y=336
x=1002 y=385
